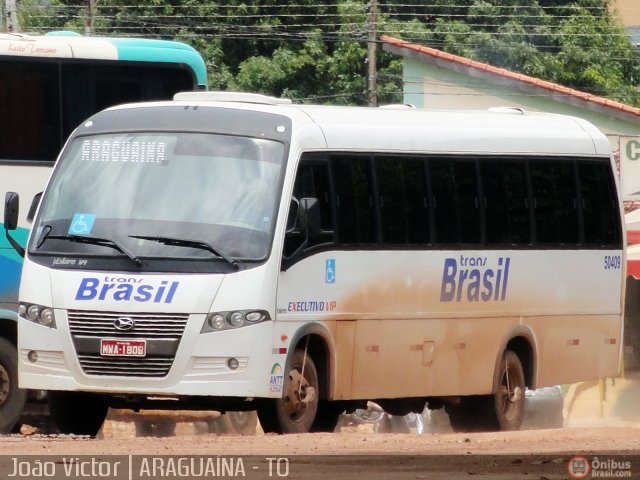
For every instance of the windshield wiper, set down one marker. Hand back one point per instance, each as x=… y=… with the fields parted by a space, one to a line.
x=183 y=242
x=103 y=242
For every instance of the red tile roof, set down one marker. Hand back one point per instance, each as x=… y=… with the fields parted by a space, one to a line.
x=507 y=74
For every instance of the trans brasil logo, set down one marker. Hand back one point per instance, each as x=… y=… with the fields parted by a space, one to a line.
x=126 y=289
x=474 y=279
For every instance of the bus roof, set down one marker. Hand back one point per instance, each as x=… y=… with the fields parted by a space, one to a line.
x=68 y=45
x=401 y=128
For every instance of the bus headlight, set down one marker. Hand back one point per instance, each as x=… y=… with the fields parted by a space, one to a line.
x=37 y=314
x=32 y=312
x=217 y=321
x=46 y=317
x=254 y=317
x=236 y=319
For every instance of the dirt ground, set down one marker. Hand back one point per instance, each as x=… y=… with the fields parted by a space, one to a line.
x=358 y=454
x=602 y=424
x=595 y=440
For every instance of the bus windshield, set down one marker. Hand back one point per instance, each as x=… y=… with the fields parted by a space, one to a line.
x=164 y=196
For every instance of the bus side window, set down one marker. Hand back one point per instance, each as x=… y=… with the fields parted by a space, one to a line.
x=454 y=184
x=555 y=202
x=504 y=186
x=404 y=211
x=355 y=215
x=312 y=181
x=599 y=204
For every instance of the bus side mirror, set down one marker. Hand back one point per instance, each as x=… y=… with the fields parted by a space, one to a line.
x=294 y=214
x=304 y=218
x=34 y=206
x=310 y=208
x=11 y=209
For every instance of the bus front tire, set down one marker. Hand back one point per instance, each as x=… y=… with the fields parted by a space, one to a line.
x=239 y=423
x=502 y=411
x=12 y=398
x=77 y=413
x=296 y=411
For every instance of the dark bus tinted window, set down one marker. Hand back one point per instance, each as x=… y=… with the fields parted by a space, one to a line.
x=41 y=102
x=555 y=202
x=384 y=201
x=312 y=181
x=599 y=204
x=354 y=200
x=454 y=188
x=29 y=111
x=404 y=213
x=504 y=186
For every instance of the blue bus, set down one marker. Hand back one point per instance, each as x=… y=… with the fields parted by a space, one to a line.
x=49 y=85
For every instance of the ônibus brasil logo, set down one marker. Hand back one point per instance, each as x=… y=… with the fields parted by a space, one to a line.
x=579 y=467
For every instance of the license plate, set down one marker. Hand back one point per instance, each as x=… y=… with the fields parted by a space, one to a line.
x=123 y=348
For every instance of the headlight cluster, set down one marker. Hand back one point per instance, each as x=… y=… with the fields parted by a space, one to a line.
x=37 y=314
x=218 y=321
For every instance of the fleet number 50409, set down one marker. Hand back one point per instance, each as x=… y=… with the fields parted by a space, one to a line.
x=612 y=262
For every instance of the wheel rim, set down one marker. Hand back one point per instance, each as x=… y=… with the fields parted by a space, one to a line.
x=301 y=396
x=511 y=395
x=5 y=385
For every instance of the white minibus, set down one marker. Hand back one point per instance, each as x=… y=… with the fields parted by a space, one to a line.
x=239 y=252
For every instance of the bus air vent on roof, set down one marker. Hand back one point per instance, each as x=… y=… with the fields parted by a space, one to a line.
x=513 y=110
x=398 y=106
x=229 y=97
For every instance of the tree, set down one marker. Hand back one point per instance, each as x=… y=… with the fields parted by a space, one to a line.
x=316 y=52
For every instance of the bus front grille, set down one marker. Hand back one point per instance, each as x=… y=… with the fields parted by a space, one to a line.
x=151 y=366
x=161 y=333
x=145 y=325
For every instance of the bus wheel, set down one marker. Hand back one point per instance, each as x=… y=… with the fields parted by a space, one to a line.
x=12 y=399
x=296 y=411
x=78 y=413
x=502 y=411
x=510 y=397
x=239 y=423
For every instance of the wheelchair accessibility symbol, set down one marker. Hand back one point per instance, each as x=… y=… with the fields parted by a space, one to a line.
x=82 y=224
x=330 y=271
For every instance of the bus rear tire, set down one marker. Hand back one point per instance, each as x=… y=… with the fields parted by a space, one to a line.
x=502 y=411
x=12 y=398
x=296 y=411
x=77 y=413
x=508 y=401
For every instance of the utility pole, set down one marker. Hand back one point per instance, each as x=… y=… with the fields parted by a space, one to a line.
x=91 y=8
x=372 y=73
x=11 y=11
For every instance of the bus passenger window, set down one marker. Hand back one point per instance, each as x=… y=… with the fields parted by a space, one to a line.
x=555 y=202
x=404 y=214
x=599 y=204
x=454 y=184
x=504 y=186
x=354 y=201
